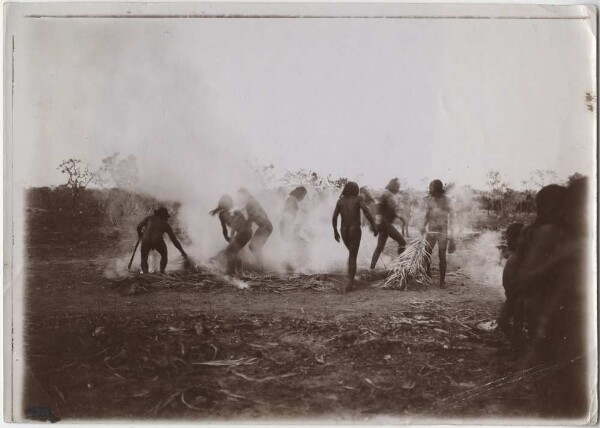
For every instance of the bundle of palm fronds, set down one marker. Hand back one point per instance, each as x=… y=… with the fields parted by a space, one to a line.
x=411 y=264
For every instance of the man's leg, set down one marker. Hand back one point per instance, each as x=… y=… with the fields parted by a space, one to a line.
x=381 y=238
x=431 y=239
x=162 y=250
x=145 y=251
x=352 y=241
x=396 y=236
x=256 y=247
x=260 y=237
x=352 y=256
x=258 y=241
x=232 y=252
x=519 y=309
x=231 y=257
x=442 y=246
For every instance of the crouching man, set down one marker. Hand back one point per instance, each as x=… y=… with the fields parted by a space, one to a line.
x=151 y=231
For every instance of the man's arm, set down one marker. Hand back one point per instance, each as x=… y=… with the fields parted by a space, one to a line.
x=290 y=212
x=365 y=209
x=450 y=220
x=426 y=222
x=223 y=226
x=175 y=241
x=141 y=226
x=336 y=213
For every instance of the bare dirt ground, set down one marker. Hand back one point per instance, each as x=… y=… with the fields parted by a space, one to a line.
x=101 y=349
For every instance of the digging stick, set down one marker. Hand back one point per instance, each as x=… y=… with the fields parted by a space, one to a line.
x=133 y=255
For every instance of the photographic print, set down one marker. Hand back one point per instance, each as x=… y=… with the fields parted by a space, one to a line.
x=349 y=213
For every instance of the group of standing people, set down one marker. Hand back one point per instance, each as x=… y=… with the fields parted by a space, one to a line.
x=545 y=281
x=381 y=213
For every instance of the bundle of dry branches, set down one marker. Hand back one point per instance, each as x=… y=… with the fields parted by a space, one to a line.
x=412 y=263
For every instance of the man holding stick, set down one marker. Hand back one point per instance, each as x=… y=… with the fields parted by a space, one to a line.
x=150 y=232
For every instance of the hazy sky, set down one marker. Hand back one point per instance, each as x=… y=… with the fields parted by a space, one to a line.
x=364 y=98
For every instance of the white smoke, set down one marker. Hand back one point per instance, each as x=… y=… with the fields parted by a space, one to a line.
x=199 y=181
x=479 y=259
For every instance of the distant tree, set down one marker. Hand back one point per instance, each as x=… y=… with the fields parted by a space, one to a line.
x=590 y=99
x=425 y=182
x=495 y=182
x=449 y=186
x=117 y=172
x=312 y=179
x=497 y=201
x=541 y=177
x=300 y=177
x=78 y=176
x=267 y=174
x=337 y=183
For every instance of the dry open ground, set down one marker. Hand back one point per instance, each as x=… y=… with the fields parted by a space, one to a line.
x=138 y=348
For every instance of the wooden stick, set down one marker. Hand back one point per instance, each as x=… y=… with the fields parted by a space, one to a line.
x=133 y=255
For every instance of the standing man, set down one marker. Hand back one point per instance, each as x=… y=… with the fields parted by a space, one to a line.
x=290 y=211
x=387 y=212
x=349 y=207
x=437 y=226
x=293 y=231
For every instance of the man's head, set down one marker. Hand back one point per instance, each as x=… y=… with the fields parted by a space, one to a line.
x=350 y=189
x=436 y=188
x=366 y=194
x=162 y=213
x=549 y=202
x=299 y=193
x=243 y=195
x=225 y=203
x=393 y=186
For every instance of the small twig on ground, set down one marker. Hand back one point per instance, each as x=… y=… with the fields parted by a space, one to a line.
x=370 y=382
x=186 y=404
x=162 y=404
x=264 y=379
x=229 y=363
x=238 y=397
x=216 y=350
x=60 y=394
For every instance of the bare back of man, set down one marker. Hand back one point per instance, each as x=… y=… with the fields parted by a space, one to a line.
x=151 y=231
x=349 y=207
x=539 y=243
x=256 y=214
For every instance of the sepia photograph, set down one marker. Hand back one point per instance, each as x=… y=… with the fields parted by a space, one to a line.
x=349 y=213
